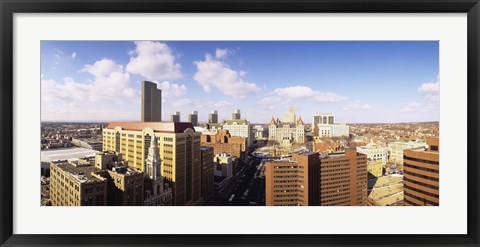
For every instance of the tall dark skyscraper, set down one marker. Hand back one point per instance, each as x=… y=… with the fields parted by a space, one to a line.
x=151 y=102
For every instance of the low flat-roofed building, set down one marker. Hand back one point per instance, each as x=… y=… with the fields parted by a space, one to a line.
x=46 y=156
x=76 y=183
x=386 y=191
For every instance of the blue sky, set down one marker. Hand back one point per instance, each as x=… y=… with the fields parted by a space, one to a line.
x=360 y=82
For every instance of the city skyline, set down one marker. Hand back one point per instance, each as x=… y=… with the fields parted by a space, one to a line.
x=362 y=82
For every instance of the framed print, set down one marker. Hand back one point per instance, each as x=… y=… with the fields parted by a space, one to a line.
x=193 y=122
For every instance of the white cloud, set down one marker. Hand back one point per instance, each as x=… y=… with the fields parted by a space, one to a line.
x=213 y=73
x=269 y=102
x=223 y=104
x=357 y=106
x=302 y=92
x=74 y=55
x=154 y=61
x=221 y=53
x=103 y=68
x=412 y=106
x=171 y=89
x=110 y=84
x=432 y=93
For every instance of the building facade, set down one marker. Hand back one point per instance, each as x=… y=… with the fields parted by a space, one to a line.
x=223 y=142
x=285 y=132
x=193 y=118
x=75 y=183
x=213 y=117
x=239 y=128
x=293 y=182
x=157 y=192
x=343 y=179
x=206 y=155
x=421 y=174
x=396 y=150
x=175 y=117
x=236 y=115
x=323 y=125
x=151 y=102
x=179 y=150
x=374 y=152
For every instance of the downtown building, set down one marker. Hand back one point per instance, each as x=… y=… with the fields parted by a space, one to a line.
x=103 y=180
x=207 y=162
x=179 y=147
x=343 y=179
x=396 y=150
x=287 y=132
x=157 y=192
x=293 y=182
x=223 y=142
x=151 y=102
x=421 y=174
x=239 y=128
x=323 y=125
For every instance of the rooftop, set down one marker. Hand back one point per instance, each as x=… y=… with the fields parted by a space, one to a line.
x=163 y=127
x=65 y=154
x=81 y=173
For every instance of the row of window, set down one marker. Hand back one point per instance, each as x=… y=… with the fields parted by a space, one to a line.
x=420 y=191
x=420 y=183
x=420 y=176
x=418 y=198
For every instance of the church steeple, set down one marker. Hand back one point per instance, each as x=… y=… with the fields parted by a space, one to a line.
x=153 y=161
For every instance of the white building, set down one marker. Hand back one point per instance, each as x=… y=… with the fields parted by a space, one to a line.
x=157 y=192
x=241 y=128
x=291 y=117
x=374 y=152
x=323 y=125
x=286 y=132
x=260 y=132
x=396 y=150
x=223 y=165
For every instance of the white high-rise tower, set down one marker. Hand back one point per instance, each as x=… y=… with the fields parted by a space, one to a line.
x=158 y=193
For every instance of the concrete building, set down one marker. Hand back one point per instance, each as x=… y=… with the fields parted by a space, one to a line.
x=76 y=183
x=151 y=102
x=193 y=118
x=396 y=149
x=223 y=176
x=261 y=132
x=223 y=142
x=125 y=185
x=213 y=117
x=375 y=167
x=374 y=152
x=207 y=191
x=293 y=182
x=179 y=150
x=286 y=132
x=157 y=192
x=421 y=174
x=385 y=191
x=88 y=143
x=343 y=179
x=239 y=128
x=175 y=117
x=101 y=181
x=323 y=125
x=291 y=117
x=236 y=115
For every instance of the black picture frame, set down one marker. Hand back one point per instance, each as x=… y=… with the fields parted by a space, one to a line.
x=10 y=7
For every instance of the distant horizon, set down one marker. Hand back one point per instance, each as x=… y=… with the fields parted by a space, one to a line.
x=307 y=123
x=358 y=81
